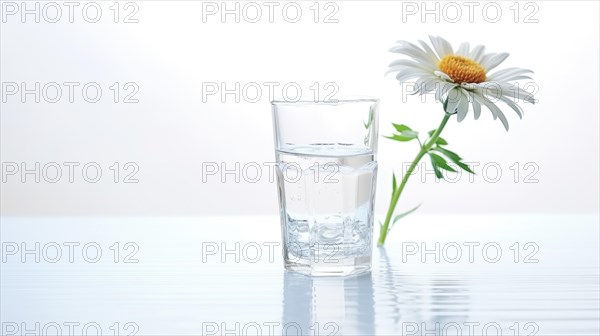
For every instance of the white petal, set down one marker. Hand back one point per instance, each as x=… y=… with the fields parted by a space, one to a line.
x=477 y=53
x=516 y=92
x=516 y=78
x=475 y=86
x=437 y=47
x=490 y=61
x=441 y=46
x=463 y=106
x=469 y=86
x=453 y=100
x=481 y=100
x=508 y=74
x=426 y=84
x=488 y=89
x=406 y=64
x=442 y=89
x=513 y=106
x=443 y=75
x=406 y=74
x=429 y=52
x=415 y=52
x=502 y=118
x=446 y=46
x=476 y=107
x=408 y=50
x=414 y=63
x=404 y=61
x=497 y=89
x=495 y=110
x=406 y=70
x=463 y=49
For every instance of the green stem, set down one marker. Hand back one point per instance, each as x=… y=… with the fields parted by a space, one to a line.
x=396 y=195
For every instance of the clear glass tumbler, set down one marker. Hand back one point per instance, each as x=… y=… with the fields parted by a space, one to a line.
x=326 y=173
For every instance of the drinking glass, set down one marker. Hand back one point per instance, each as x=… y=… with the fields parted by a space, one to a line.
x=326 y=173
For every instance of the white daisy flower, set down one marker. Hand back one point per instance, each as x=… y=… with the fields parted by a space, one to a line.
x=461 y=78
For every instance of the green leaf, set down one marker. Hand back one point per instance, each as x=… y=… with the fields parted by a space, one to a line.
x=404 y=214
x=401 y=137
x=405 y=132
x=394 y=185
x=450 y=154
x=465 y=167
x=441 y=162
x=411 y=133
x=454 y=158
x=401 y=128
x=440 y=141
x=436 y=169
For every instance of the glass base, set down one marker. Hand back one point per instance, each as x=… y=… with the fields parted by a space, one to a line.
x=336 y=268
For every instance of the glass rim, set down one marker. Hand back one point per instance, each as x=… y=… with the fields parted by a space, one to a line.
x=332 y=101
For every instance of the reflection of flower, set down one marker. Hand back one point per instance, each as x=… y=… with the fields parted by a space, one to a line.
x=462 y=76
x=459 y=79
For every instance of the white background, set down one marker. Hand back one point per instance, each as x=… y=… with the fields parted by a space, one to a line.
x=171 y=132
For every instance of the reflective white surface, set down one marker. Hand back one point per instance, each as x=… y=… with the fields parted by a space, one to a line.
x=224 y=275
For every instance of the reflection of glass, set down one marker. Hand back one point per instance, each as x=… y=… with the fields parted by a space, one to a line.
x=328 y=306
x=407 y=303
x=326 y=172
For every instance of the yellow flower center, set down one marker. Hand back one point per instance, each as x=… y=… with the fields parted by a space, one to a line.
x=462 y=69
